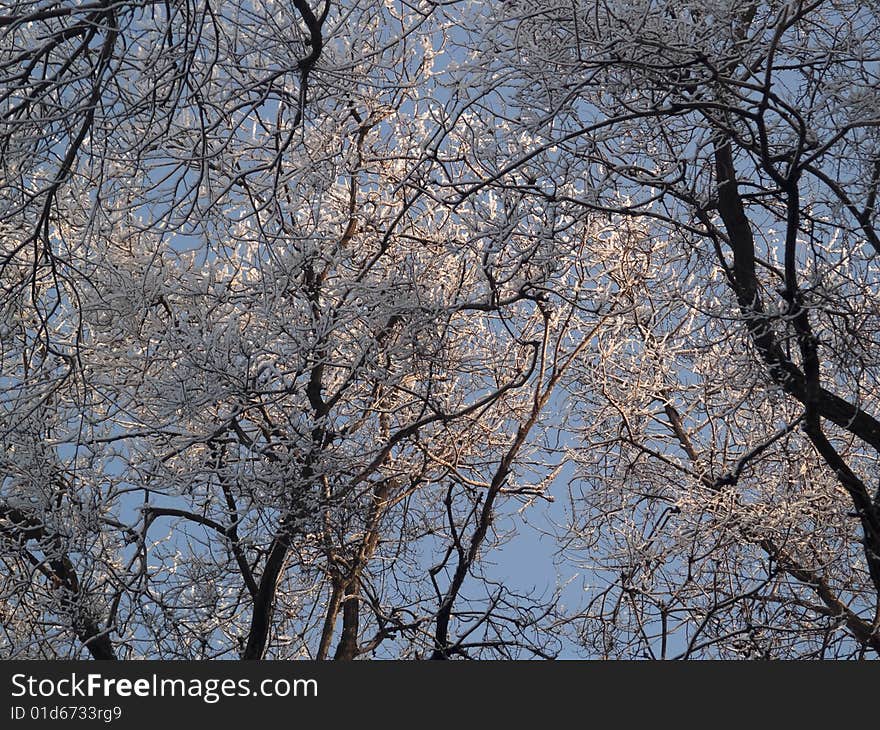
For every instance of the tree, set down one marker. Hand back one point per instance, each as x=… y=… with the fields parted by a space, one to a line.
x=734 y=511
x=252 y=372
x=307 y=306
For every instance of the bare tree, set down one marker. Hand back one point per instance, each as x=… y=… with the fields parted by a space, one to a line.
x=246 y=354
x=308 y=308
x=727 y=477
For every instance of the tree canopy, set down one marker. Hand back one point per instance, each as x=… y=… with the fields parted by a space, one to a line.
x=308 y=309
